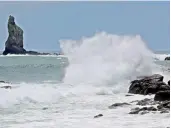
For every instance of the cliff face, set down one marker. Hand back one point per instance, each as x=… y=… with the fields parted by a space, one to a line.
x=14 y=43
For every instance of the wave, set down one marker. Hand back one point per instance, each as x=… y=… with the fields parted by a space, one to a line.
x=106 y=59
x=160 y=57
x=103 y=64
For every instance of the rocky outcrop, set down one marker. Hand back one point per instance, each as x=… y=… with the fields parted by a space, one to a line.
x=142 y=110
x=99 y=115
x=146 y=101
x=148 y=85
x=151 y=85
x=150 y=105
x=167 y=58
x=6 y=87
x=14 y=43
x=118 y=105
x=164 y=107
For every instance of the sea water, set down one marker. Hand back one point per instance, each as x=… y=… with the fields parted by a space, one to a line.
x=68 y=91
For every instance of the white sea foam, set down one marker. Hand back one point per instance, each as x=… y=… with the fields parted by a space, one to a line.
x=160 y=57
x=106 y=59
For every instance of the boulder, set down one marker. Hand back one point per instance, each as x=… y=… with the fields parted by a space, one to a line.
x=99 y=115
x=162 y=96
x=118 y=105
x=167 y=58
x=148 y=85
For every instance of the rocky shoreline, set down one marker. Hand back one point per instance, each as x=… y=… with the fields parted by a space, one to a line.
x=149 y=85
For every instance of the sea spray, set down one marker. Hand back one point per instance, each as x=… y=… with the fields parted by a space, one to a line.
x=106 y=59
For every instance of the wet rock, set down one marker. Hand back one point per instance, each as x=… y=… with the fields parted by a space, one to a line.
x=143 y=110
x=144 y=102
x=118 y=105
x=164 y=111
x=99 y=115
x=135 y=110
x=6 y=87
x=148 y=85
x=168 y=82
x=38 y=53
x=2 y=81
x=129 y=95
x=162 y=96
x=164 y=105
x=45 y=108
x=167 y=58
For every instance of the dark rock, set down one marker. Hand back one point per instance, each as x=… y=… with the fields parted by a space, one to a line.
x=147 y=102
x=144 y=102
x=134 y=101
x=168 y=82
x=167 y=58
x=45 y=108
x=162 y=95
x=99 y=115
x=135 y=110
x=6 y=87
x=144 y=110
x=14 y=43
x=2 y=81
x=164 y=105
x=118 y=105
x=129 y=95
x=164 y=111
x=148 y=85
x=37 y=53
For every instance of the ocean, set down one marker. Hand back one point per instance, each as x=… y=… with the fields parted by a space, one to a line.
x=67 y=91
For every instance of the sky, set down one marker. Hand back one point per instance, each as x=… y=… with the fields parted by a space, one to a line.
x=45 y=23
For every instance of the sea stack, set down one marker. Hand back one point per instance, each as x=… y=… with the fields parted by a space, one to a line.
x=14 y=43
